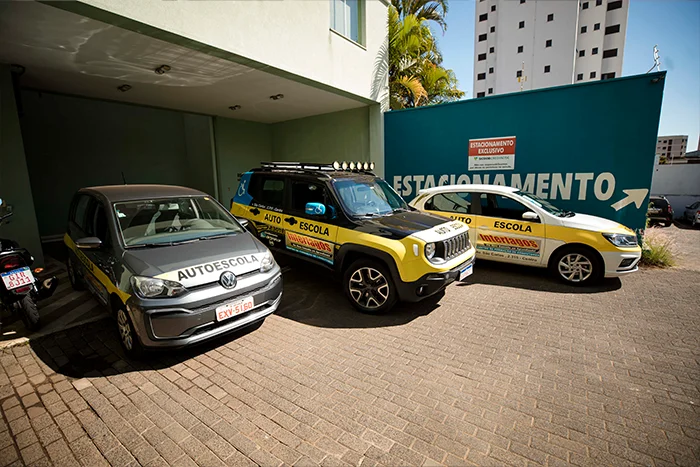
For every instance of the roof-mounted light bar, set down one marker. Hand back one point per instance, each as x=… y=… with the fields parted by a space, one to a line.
x=354 y=166
x=347 y=166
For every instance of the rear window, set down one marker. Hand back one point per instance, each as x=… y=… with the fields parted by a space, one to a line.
x=658 y=203
x=268 y=191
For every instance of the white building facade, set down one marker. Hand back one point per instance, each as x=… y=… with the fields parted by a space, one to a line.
x=531 y=44
x=672 y=148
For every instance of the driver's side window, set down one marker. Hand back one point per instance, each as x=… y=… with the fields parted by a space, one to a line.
x=493 y=205
x=309 y=192
x=459 y=203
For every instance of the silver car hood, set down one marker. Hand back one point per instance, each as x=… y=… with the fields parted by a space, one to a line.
x=197 y=263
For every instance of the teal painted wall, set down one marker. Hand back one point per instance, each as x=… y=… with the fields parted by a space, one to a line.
x=240 y=146
x=602 y=135
x=15 y=185
x=74 y=142
x=330 y=137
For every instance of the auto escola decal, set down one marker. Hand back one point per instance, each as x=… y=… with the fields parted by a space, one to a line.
x=211 y=271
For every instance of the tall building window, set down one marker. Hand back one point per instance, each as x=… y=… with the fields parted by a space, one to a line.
x=547 y=68
x=482 y=57
x=522 y=1
x=579 y=77
x=480 y=76
x=347 y=17
x=592 y=74
x=550 y=17
x=492 y=50
x=490 y=70
x=609 y=53
x=584 y=6
x=493 y=7
x=596 y=26
x=490 y=90
x=480 y=94
x=607 y=75
x=493 y=29
x=584 y=29
x=520 y=49
x=614 y=5
x=519 y=74
x=612 y=29
x=521 y=25
x=548 y=43
x=594 y=51
x=582 y=53
x=598 y=2
x=483 y=17
x=482 y=37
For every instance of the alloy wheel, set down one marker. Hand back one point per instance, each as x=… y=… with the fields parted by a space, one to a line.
x=369 y=288
x=575 y=267
x=125 y=329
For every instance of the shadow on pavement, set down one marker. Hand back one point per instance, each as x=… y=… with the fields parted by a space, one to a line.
x=684 y=225
x=525 y=277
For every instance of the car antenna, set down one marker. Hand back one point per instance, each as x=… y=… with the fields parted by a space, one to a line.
x=123 y=178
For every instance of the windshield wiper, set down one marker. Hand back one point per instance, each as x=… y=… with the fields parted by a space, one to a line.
x=150 y=245
x=213 y=237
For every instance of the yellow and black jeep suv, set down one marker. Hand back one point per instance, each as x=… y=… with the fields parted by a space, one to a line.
x=347 y=219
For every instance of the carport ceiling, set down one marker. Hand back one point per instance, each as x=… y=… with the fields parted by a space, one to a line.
x=67 y=53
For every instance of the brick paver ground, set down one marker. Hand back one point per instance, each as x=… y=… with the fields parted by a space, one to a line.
x=511 y=369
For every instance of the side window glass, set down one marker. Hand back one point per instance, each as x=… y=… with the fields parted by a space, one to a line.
x=267 y=191
x=80 y=212
x=100 y=229
x=450 y=202
x=305 y=192
x=502 y=206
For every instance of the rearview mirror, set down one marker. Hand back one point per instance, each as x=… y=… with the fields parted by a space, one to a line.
x=531 y=216
x=315 y=209
x=89 y=243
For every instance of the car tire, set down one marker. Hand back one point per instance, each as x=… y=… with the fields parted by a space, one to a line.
x=668 y=224
x=369 y=286
x=75 y=281
x=30 y=313
x=577 y=266
x=128 y=338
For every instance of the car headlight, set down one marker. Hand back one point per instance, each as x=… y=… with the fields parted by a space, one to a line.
x=621 y=240
x=267 y=262
x=151 y=287
x=429 y=250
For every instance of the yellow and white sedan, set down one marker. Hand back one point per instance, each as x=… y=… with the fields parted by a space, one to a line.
x=513 y=226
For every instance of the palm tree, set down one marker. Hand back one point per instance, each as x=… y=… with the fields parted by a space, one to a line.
x=429 y=10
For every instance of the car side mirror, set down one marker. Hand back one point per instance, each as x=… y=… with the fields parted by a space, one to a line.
x=244 y=222
x=89 y=243
x=531 y=216
x=315 y=209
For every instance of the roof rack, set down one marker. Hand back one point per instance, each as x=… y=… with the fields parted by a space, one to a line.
x=362 y=167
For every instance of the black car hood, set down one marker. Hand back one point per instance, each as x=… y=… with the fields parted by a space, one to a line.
x=198 y=262
x=400 y=224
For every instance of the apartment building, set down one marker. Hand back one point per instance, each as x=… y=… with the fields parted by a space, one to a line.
x=531 y=44
x=672 y=148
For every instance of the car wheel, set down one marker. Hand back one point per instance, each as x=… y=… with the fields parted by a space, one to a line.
x=369 y=286
x=577 y=266
x=668 y=224
x=75 y=281
x=127 y=335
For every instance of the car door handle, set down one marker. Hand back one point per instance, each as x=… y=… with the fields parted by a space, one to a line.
x=255 y=211
x=290 y=220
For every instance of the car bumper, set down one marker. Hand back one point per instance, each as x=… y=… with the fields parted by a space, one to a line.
x=179 y=326
x=431 y=283
x=619 y=263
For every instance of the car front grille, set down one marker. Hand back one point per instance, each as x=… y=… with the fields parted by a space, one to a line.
x=456 y=245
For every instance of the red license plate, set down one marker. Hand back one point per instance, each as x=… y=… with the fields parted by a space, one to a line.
x=233 y=309
x=17 y=278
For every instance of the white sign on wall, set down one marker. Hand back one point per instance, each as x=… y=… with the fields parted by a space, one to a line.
x=492 y=153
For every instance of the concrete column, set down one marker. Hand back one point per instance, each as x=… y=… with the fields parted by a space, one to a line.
x=14 y=176
x=376 y=138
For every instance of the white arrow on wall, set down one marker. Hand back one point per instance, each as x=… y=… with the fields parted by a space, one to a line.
x=633 y=196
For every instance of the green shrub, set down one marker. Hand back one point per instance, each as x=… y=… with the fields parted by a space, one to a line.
x=658 y=249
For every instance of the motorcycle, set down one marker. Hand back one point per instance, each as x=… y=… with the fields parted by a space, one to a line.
x=19 y=288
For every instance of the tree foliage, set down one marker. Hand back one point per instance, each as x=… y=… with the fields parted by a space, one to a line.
x=416 y=74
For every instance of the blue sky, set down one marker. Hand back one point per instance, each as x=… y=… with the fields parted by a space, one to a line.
x=672 y=25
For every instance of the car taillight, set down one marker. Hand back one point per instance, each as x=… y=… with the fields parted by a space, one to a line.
x=9 y=263
x=670 y=209
x=22 y=290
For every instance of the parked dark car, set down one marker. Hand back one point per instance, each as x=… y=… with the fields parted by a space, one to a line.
x=659 y=211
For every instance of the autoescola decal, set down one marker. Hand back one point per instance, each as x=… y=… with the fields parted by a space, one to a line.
x=211 y=272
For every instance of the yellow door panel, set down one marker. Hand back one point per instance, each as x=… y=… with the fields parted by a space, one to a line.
x=310 y=237
x=509 y=240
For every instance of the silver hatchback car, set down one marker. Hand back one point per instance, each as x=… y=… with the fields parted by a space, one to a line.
x=173 y=265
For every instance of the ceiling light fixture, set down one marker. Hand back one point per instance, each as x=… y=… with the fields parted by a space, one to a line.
x=124 y=87
x=161 y=70
x=277 y=97
x=234 y=107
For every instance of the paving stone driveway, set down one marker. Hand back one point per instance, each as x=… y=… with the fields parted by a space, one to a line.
x=512 y=369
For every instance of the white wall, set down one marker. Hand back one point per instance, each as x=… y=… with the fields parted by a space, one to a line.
x=291 y=35
x=679 y=183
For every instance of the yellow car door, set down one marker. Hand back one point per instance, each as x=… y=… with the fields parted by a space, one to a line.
x=455 y=205
x=509 y=231
x=309 y=221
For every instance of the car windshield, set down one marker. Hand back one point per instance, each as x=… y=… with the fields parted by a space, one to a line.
x=170 y=221
x=544 y=204
x=368 y=196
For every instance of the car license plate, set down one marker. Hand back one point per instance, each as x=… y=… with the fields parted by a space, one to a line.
x=17 y=278
x=466 y=272
x=233 y=309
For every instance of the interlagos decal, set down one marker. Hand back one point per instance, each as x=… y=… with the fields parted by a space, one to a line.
x=212 y=270
x=310 y=246
x=563 y=186
x=498 y=245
